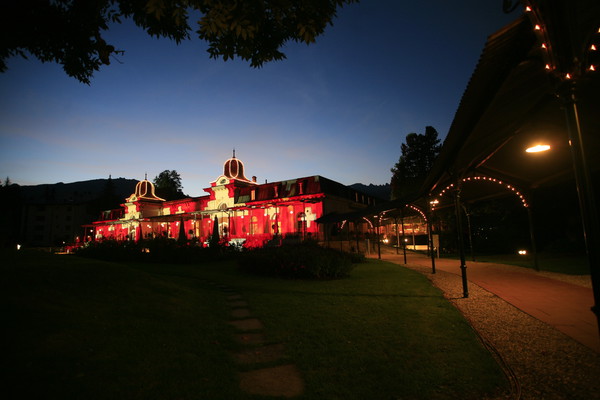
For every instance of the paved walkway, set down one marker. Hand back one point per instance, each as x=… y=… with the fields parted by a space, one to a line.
x=565 y=306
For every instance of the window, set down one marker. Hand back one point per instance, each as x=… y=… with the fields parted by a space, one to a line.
x=253 y=225
x=301 y=222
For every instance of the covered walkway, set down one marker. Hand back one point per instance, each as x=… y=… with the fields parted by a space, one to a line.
x=548 y=297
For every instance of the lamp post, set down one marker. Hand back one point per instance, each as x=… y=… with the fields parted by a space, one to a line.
x=460 y=239
x=403 y=238
x=430 y=236
x=470 y=232
x=569 y=33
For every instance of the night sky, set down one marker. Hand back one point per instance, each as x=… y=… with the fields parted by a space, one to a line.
x=339 y=108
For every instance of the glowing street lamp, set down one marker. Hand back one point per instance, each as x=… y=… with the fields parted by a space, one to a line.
x=538 y=148
x=571 y=41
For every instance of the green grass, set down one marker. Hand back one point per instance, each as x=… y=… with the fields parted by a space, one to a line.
x=84 y=329
x=87 y=329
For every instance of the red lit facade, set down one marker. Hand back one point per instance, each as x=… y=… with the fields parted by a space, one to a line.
x=244 y=210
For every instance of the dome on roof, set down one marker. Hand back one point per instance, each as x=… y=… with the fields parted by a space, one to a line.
x=234 y=169
x=144 y=190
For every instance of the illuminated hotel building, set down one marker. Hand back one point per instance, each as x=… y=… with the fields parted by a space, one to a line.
x=244 y=210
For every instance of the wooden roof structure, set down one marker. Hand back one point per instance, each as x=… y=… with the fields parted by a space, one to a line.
x=511 y=103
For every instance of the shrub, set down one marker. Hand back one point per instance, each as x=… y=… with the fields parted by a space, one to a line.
x=297 y=261
x=159 y=249
x=111 y=250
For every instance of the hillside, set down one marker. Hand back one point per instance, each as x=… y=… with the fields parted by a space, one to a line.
x=75 y=192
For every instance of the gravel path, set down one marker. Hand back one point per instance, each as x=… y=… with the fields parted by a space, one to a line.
x=540 y=361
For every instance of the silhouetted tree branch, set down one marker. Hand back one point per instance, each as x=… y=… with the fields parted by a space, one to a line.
x=70 y=32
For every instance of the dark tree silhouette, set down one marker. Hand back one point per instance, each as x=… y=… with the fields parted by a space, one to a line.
x=417 y=157
x=168 y=185
x=214 y=239
x=106 y=200
x=71 y=32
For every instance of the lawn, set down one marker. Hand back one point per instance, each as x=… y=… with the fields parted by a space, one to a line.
x=87 y=329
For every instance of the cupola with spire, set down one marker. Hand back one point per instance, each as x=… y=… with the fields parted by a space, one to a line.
x=234 y=169
x=144 y=190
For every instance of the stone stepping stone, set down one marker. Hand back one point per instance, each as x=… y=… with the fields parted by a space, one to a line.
x=262 y=354
x=250 y=338
x=282 y=381
x=250 y=324
x=238 y=304
x=240 y=313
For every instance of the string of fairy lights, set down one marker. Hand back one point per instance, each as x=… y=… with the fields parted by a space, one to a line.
x=588 y=62
x=507 y=186
x=418 y=210
x=382 y=216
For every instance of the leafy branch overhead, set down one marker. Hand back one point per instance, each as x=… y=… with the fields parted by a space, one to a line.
x=70 y=32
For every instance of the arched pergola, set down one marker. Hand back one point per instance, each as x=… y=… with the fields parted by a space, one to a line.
x=376 y=218
x=535 y=88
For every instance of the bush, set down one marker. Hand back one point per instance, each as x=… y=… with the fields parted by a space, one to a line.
x=111 y=250
x=159 y=249
x=297 y=261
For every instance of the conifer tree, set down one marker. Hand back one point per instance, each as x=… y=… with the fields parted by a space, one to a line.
x=417 y=157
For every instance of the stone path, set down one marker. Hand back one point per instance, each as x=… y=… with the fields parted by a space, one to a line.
x=264 y=369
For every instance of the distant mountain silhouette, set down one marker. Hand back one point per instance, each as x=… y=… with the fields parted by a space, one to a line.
x=76 y=192
x=382 y=192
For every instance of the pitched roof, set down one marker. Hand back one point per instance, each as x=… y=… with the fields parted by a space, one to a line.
x=508 y=105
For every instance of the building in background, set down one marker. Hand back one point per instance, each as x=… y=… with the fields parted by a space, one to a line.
x=242 y=209
x=51 y=215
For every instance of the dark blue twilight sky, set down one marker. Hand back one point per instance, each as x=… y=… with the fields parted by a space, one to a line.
x=339 y=108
